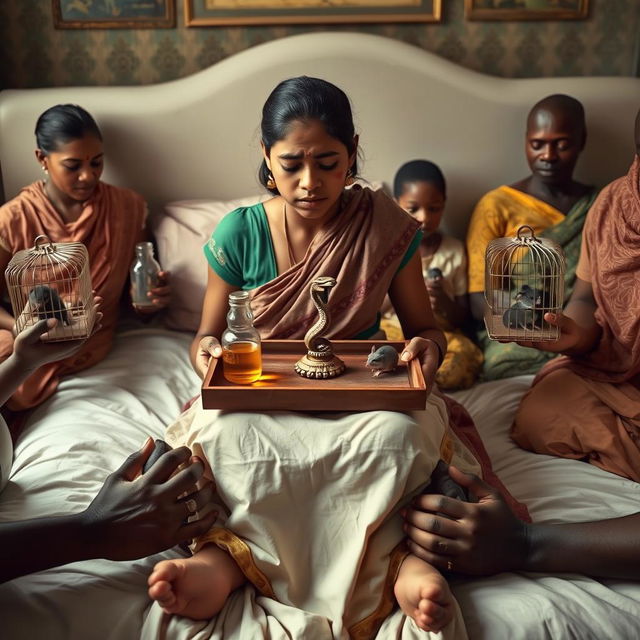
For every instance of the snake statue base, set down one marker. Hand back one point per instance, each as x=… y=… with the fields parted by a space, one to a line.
x=320 y=362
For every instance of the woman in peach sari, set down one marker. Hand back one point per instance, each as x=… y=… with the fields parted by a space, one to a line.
x=73 y=205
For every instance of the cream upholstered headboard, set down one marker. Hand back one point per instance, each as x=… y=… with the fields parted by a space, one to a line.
x=197 y=137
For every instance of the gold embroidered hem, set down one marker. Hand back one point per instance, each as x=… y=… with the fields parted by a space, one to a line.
x=368 y=627
x=241 y=553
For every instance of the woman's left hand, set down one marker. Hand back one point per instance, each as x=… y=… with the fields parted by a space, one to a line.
x=428 y=352
x=160 y=296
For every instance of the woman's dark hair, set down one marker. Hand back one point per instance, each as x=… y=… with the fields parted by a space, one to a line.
x=418 y=171
x=63 y=123
x=305 y=99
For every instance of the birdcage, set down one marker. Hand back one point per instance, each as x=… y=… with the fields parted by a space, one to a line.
x=524 y=280
x=52 y=280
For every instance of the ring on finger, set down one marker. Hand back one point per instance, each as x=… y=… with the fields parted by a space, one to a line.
x=192 y=507
x=441 y=547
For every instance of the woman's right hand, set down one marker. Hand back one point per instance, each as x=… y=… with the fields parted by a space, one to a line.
x=208 y=348
x=571 y=335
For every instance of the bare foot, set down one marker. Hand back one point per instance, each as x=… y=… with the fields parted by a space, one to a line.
x=423 y=594
x=196 y=587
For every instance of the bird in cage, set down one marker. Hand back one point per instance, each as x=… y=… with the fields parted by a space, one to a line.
x=46 y=303
x=524 y=280
x=526 y=312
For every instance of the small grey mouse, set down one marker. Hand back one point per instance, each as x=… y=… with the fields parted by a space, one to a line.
x=382 y=360
x=46 y=302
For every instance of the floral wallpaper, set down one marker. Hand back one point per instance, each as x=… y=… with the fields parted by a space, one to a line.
x=34 y=54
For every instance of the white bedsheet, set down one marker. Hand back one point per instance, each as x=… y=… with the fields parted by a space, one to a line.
x=98 y=417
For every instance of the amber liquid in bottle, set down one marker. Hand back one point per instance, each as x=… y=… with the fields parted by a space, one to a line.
x=242 y=362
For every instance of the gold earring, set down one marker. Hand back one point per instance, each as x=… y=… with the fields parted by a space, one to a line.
x=271 y=183
x=349 y=179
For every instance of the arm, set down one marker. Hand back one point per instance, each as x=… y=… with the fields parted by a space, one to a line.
x=484 y=538
x=212 y=323
x=129 y=518
x=454 y=311
x=30 y=353
x=6 y=319
x=409 y=297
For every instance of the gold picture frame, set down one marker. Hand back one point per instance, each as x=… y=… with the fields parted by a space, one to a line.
x=526 y=9
x=207 y=13
x=114 y=14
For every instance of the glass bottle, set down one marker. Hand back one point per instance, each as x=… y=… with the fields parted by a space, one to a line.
x=241 y=352
x=144 y=275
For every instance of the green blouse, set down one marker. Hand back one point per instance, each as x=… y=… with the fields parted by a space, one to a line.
x=241 y=252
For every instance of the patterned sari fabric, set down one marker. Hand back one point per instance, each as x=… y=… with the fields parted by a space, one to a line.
x=109 y=226
x=589 y=406
x=362 y=248
x=504 y=360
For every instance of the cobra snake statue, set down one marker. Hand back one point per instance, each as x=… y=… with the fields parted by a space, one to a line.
x=320 y=362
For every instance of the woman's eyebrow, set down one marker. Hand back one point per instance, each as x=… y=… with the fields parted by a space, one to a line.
x=96 y=157
x=298 y=156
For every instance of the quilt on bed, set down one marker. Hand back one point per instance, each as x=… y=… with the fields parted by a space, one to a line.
x=97 y=418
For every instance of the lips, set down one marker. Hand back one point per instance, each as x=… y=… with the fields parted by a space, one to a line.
x=310 y=203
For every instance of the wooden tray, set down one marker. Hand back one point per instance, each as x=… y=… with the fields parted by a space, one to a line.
x=280 y=388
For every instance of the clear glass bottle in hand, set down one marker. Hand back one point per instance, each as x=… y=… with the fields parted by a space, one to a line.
x=144 y=275
x=241 y=352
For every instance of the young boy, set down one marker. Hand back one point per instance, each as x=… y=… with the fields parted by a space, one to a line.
x=420 y=189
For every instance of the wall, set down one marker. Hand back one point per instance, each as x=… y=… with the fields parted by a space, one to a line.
x=34 y=54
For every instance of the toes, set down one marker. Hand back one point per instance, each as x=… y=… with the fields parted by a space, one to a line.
x=161 y=592
x=433 y=592
x=167 y=570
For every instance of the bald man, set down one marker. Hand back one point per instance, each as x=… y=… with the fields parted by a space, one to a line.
x=549 y=200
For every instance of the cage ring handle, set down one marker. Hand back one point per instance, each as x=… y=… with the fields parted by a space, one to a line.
x=523 y=228
x=43 y=243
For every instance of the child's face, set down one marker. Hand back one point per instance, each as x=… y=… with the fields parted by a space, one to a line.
x=425 y=202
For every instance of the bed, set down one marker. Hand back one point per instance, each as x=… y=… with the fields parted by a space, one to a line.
x=193 y=143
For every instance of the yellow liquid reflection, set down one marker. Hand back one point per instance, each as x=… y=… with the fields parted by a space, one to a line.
x=242 y=362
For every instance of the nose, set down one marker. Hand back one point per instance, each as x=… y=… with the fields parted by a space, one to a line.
x=309 y=180
x=549 y=153
x=86 y=174
x=420 y=215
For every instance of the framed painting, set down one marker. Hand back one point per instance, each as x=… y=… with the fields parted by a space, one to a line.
x=113 y=14
x=526 y=9
x=201 y=13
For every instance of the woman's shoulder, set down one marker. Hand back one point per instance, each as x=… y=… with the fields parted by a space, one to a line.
x=241 y=221
x=14 y=208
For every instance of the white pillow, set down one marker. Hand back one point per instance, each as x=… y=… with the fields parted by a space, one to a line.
x=180 y=233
